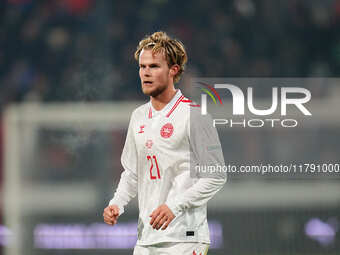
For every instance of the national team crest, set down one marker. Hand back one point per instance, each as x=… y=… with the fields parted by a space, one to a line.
x=167 y=130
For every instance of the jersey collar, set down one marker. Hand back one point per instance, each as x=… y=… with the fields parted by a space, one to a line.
x=169 y=108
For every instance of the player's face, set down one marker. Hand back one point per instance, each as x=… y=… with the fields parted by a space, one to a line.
x=154 y=73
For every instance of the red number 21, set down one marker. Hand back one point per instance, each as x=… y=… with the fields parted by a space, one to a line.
x=151 y=167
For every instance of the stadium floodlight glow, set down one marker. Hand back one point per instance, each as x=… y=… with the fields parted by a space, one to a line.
x=320 y=231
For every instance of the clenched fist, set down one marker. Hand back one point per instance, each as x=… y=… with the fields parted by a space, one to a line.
x=111 y=214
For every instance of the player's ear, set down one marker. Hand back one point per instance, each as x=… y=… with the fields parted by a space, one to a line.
x=174 y=70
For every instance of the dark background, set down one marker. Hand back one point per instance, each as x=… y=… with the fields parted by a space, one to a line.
x=76 y=51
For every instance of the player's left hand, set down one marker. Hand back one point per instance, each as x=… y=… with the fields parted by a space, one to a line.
x=162 y=216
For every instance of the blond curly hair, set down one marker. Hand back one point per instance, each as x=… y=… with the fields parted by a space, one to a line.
x=173 y=49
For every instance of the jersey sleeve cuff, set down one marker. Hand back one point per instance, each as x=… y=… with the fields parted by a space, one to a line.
x=120 y=207
x=175 y=210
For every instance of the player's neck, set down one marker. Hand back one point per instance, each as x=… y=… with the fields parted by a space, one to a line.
x=159 y=102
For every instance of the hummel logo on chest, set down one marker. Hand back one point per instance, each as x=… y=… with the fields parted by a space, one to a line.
x=141 y=129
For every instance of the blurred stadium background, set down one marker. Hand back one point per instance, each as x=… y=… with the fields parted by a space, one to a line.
x=69 y=82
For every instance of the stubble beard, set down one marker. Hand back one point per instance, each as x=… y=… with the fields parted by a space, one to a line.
x=155 y=92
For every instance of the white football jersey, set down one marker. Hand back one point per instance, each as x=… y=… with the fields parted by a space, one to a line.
x=158 y=151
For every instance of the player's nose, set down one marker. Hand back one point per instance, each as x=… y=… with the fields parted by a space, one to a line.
x=146 y=72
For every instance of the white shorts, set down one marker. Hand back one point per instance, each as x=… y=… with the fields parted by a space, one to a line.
x=172 y=249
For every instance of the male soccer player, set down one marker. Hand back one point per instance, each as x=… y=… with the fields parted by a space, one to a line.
x=165 y=137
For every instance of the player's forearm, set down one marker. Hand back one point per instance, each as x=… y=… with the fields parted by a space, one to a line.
x=127 y=189
x=199 y=194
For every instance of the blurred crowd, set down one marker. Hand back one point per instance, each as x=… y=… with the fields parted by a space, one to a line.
x=82 y=50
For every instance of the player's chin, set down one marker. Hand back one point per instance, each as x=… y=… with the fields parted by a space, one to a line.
x=149 y=91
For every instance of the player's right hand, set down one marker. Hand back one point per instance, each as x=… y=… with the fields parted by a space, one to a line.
x=111 y=214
